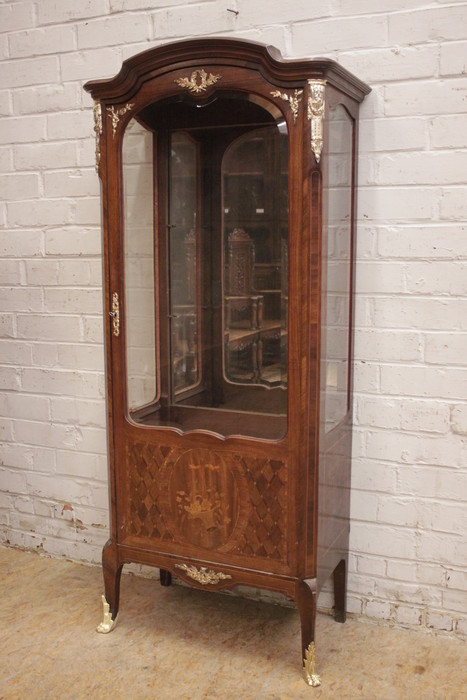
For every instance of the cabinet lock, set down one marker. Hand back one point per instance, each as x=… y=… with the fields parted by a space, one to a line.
x=115 y=315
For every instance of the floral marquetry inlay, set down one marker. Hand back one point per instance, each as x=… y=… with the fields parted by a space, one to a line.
x=202 y=498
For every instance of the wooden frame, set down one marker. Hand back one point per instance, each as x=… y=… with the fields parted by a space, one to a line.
x=281 y=517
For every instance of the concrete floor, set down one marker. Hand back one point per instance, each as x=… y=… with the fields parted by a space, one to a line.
x=186 y=644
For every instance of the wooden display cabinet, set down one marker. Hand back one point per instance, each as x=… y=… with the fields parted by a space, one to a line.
x=228 y=188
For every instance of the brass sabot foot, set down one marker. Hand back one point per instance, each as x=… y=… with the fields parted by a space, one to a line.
x=311 y=676
x=107 y=623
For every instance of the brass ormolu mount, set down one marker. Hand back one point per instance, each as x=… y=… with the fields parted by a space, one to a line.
x=311 y=677
x=107 y=624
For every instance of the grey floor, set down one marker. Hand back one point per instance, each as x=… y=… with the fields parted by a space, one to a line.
x=182 y=643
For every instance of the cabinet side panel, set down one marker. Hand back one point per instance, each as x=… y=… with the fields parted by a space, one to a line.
x=334 y=504
x=338 y=259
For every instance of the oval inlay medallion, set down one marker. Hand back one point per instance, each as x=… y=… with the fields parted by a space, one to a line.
x=203 y=500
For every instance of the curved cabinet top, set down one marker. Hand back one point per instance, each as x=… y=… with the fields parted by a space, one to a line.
x=266 y=60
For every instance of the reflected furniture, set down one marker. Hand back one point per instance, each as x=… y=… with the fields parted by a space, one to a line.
x=228 y=194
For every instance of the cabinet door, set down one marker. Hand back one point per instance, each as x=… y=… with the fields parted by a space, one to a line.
x=202 y=351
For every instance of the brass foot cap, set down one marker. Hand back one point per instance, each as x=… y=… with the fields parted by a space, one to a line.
x=107 y=623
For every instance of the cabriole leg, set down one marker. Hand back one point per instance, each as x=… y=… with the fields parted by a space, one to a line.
x=306 y=601
x=112 y=570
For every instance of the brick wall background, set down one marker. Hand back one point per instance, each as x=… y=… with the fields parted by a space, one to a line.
x=409 y=517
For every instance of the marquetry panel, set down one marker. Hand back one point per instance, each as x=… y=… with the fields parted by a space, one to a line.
x=204 y=498
x=210 y=500
x=145 y=518
x=265 y=533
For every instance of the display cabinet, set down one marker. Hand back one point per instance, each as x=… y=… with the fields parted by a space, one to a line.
x=228 y=189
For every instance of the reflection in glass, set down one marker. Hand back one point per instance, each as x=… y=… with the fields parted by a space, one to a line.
x=338 y=266
x=255 y=207
x=140 y=332
x=183 y=237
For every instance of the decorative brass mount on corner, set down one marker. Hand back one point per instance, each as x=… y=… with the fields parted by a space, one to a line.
x=98 y=130
x=316 y=105
x=199 y=81
x=293 y=100
x=115 y=114
x=203 y=575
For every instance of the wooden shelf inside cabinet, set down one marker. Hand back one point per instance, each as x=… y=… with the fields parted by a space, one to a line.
x=228 y=178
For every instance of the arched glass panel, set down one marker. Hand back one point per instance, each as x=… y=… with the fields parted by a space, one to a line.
x=338 y=267
x=206 y=265
x=138 y=243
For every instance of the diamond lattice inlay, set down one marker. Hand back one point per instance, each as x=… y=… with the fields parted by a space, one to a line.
x=264 y=534
x=144 y=463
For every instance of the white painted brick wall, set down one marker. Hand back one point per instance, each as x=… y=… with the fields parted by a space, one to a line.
x=409 y=518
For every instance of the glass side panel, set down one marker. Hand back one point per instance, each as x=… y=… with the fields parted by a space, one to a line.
x=140 y=323
x=338 y=267
x=184 y=254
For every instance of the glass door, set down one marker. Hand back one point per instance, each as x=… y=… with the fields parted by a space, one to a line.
x=209 y=288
